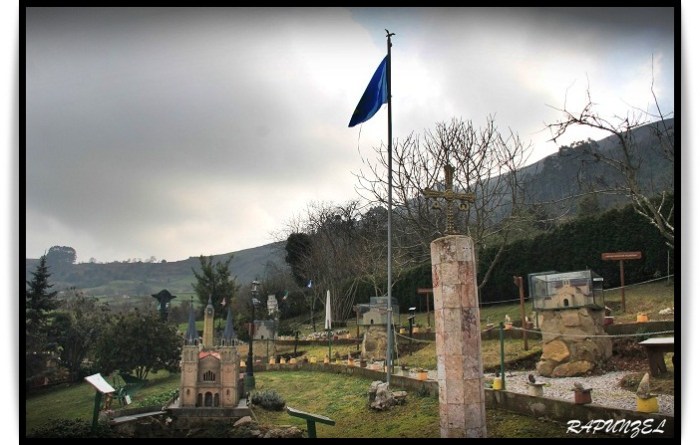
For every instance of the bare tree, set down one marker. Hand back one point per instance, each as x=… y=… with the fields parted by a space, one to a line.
x=485 y=162
x=329 y=261
x=643 y=141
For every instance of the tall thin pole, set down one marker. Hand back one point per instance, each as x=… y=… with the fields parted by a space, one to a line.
x=622 y=284
x=519 y=282
x=389 y=318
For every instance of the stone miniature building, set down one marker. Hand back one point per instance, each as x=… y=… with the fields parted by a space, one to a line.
x=373 y=317
x=571 y=315
x=210 y=373
x=375 y=313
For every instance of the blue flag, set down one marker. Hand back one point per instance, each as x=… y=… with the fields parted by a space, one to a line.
x=376 y=94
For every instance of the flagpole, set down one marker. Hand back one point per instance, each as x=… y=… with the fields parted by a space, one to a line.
x=389 y=308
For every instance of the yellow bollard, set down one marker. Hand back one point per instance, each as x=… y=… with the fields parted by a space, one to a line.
x=650 y=405
x=497 y=384
x=312 y=359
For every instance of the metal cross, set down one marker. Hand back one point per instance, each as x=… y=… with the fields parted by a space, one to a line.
x=449 y=195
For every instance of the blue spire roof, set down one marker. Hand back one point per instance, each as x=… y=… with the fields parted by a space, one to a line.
x=191 y=336
x=229 y=333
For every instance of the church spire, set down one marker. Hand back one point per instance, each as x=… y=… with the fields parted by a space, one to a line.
x=229 y=333
x=191 y=335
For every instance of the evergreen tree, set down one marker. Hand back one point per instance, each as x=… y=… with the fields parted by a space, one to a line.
x=39 y=302
x=215 y=280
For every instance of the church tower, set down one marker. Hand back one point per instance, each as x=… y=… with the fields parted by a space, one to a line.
x=208 y=336
x=189 y=363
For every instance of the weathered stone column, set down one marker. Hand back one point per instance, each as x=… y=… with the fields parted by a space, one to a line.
x=458 y=338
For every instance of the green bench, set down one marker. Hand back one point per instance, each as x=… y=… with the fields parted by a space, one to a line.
x=311 y=420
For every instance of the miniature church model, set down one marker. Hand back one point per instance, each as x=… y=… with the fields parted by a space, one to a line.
x=571 y=312
x=210 y=371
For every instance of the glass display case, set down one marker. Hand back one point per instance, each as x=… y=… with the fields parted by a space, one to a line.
x=567 y=290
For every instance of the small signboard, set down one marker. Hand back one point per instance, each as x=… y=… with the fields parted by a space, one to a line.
x=99 y=383
x=615 y=256
x=101 y=387
x=621 y=257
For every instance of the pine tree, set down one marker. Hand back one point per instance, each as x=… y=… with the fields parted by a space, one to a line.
x=39 y=302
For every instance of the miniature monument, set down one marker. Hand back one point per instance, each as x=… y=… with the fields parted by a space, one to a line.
x=571 y=315
x=163 y=298
x=373 y=319
x=457 y=327
x=210 y=386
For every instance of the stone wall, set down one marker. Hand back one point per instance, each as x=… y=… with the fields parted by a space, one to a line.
x=570 y=342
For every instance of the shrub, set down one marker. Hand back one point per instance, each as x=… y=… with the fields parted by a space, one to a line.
x=71 y=428
x=268 y=399
x=156 y=399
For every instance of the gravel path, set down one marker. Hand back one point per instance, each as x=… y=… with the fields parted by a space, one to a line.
x=606 y=389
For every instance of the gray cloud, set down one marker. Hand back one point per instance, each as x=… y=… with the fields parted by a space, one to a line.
x=176 y=132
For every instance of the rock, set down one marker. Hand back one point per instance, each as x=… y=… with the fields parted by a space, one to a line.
x=573 y=369
x=374 y=343
x=283 y=433
x=243 y=421
x=555 y=350
x=383 y=399
x=666 y=311
x=400 y=397
x=545 y=367
x=643 y=390
x=586 y=350
x=570 y=319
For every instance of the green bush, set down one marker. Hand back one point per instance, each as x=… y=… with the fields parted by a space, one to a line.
x=75 y=428
x=156 y=399
x=268 y=399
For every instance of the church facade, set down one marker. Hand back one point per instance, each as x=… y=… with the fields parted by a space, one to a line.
x=210 y=367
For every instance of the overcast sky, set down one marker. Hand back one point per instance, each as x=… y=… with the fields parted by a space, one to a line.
x=178 y=132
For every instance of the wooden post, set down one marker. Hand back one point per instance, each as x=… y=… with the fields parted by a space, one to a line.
x=427 y=303
x=357 y=325
x=518 y=281
x=503 y=356
x=622 y=285
x=427 y=291
x=622 y=256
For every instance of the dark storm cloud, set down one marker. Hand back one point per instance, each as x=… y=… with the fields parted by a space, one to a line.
x=173 y=132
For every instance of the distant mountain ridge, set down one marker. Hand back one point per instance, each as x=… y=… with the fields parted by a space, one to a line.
x=139 y=279
x=547 y=180
x=571 y=171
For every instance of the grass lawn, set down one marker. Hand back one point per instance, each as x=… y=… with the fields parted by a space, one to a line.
x=76 y=401
x=340 y=397
x=344 y=399
x=648 y=297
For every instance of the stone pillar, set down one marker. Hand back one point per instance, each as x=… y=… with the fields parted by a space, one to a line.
x=458 y=338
